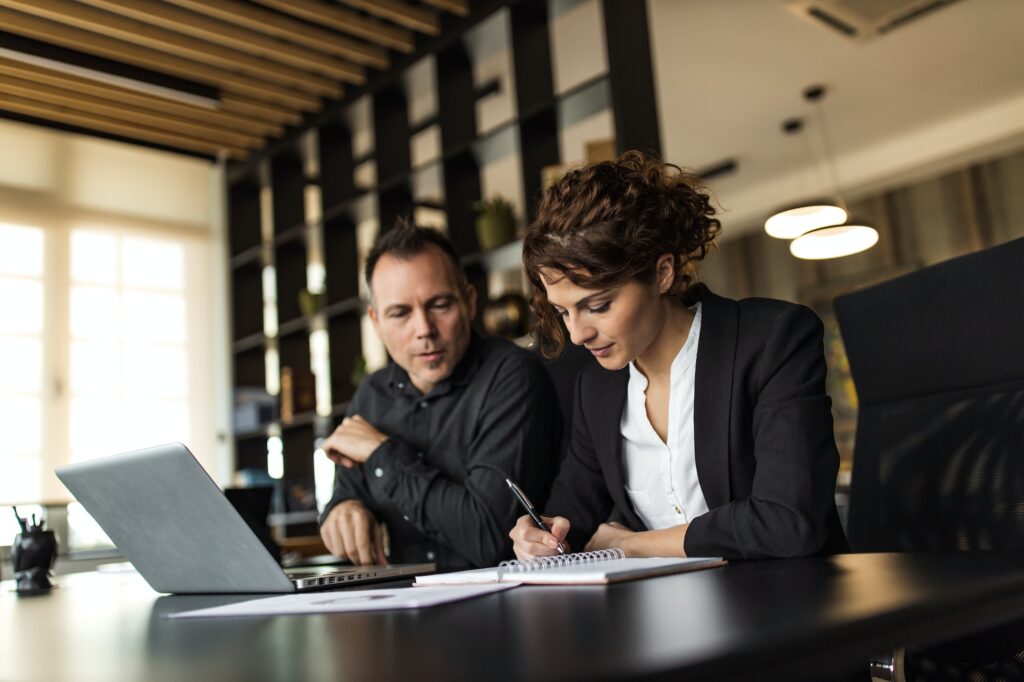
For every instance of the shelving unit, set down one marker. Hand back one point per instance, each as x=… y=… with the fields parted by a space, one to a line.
x=285 y=232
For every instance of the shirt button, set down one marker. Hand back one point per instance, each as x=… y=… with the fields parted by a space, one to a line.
x=420 y=455
x=378 y=472
x=423 y=403
x=405 y=517
x=430 y=556
x=401 y=385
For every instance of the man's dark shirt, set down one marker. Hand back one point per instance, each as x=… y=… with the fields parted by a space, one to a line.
x=439 y=481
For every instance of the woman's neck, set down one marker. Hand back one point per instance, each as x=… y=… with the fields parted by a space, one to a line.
x=656 y=361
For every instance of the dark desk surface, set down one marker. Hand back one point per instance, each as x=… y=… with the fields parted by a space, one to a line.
x=794 y=618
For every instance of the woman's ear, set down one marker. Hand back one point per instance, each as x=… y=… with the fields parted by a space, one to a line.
x=666 y=272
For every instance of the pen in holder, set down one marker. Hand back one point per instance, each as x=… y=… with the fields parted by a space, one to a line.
x=33 y=554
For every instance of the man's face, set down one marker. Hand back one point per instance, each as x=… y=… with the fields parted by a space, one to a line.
x=421 y=315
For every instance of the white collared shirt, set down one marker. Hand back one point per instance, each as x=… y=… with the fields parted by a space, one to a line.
x=661 y=478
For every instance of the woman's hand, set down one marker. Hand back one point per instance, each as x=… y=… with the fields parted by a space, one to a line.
x=609 y=536
x=530 y=542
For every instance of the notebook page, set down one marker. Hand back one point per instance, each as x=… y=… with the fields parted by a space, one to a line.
x=476 y=576
x=509 y=571
x=615 y=570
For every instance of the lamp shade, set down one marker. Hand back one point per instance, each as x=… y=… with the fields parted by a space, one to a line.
x=792 y=222
x=834 y=241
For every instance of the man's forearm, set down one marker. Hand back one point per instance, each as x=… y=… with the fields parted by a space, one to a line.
x=470 y=517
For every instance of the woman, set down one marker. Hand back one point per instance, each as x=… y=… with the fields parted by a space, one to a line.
x=706 y=430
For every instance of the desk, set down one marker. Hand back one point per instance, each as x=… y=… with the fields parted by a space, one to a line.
x=794 y=618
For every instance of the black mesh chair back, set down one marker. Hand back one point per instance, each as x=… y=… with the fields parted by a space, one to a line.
x=937 y=358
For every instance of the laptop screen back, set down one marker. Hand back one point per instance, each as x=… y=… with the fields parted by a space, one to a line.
x=168 y=517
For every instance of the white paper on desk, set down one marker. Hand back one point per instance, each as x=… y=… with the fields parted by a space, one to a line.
x=340 y=602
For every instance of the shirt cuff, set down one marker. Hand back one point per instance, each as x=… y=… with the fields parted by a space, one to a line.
x=385 y=464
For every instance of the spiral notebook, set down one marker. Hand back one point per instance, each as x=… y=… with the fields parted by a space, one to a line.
x=582 y=568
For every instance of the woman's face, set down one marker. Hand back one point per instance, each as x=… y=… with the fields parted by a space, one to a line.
x=617 y=325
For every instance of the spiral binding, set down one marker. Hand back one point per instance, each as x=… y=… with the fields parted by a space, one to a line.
x=575 y=559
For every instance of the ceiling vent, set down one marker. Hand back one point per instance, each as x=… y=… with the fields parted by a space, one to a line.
x=863 y=20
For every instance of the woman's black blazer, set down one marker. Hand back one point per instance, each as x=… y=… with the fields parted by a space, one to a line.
x=765 y=452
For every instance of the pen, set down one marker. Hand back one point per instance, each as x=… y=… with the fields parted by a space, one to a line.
x=528 y=506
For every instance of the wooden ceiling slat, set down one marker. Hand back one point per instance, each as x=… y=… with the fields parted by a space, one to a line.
x=460 y=7
x=246 y=106
x=274 y=24
x=128 y=113
x=335 y=17
x=234 y=122
x=20 y=105
x=411 y=16
x=119 y=50
x=229 y=35
x=146 y=35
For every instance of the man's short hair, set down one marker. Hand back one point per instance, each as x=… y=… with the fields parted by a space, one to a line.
x=407 y=240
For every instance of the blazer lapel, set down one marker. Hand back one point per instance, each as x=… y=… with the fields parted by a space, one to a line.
x=716 y=352
x=608 y=439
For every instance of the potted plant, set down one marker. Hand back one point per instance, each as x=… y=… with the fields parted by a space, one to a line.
x=496 y=224
x=311 y=302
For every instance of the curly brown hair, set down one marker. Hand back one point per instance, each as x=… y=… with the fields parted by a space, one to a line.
x=608 y=223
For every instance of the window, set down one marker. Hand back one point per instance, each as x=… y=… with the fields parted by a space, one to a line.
x=106 y=345
x=128 y=364
x=21 y=361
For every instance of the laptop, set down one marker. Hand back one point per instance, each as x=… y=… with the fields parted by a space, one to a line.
x=168 y=517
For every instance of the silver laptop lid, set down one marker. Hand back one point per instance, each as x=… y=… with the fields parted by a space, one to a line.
x=168 y=517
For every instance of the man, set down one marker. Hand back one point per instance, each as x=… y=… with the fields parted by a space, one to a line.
x=429 y=439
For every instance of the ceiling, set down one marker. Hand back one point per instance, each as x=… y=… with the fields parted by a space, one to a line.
x=240 y=71
x=937 y=92
x=946 y=88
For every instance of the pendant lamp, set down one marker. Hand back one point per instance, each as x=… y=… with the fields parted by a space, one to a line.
x=836 y=233
x=792 y=221
x=853 y=236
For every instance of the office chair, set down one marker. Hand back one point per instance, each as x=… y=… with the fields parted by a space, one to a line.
x=937 y=357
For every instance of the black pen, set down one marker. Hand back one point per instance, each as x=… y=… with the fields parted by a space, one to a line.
x=528 y=506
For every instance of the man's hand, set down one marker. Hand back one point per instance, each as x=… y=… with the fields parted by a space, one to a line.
x=353 y=441
x=609 y=536
x=352 y=532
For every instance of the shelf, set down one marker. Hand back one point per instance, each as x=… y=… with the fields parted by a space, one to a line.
x=339 y=207
x=504 y=257
x=454 y=165
x=491 y=87
x=293 y=233
x=345 y=307
x=475 y=147
x=393 y=182
x=247 y=343
x=292 y=326
x=301 y=419
x=288 y=518
x=261 y=432
x=246 y=257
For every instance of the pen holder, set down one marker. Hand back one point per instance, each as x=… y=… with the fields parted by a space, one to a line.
x=33 y=555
